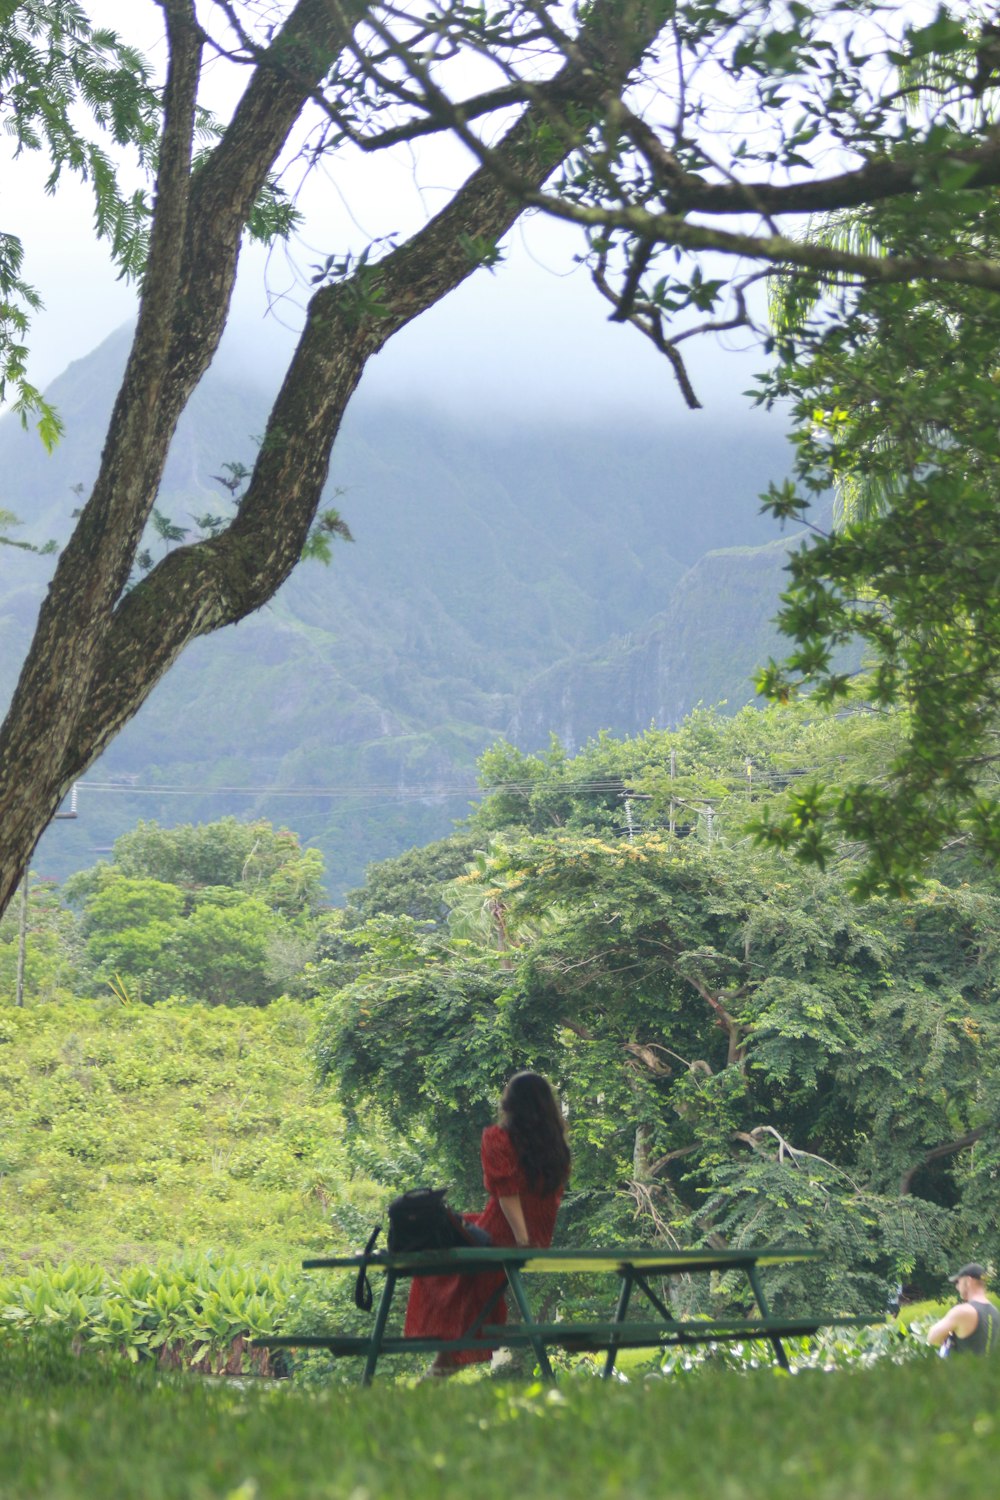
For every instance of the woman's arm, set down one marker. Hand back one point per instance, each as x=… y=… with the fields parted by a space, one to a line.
x=514 y=1214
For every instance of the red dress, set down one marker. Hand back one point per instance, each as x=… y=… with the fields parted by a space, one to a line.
x=445 y=1307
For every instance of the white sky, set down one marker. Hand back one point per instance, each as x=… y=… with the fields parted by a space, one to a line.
x=532 y=338
x=534 y=335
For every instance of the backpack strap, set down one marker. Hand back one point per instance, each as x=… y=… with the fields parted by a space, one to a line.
x=362 y=1286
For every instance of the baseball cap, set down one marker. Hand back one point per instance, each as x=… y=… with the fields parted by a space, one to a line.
x=973 y=1269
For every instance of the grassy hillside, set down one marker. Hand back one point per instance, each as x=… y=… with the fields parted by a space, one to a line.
x=133 y=1133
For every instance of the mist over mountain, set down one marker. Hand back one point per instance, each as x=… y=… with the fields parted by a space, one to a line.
x=506 y=578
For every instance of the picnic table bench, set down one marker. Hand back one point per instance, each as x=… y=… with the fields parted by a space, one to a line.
x=635 y=1270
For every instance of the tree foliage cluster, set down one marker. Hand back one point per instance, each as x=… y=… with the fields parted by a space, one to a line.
x=221 y=912
x=894 y=396
x=747 y=1051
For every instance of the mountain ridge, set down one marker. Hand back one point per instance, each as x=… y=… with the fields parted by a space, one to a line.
x=502 y=582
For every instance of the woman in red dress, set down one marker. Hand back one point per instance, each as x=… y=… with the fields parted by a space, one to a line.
x=526 y=1163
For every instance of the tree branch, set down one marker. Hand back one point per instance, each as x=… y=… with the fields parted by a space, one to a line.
x=728 y=1023
x=948 y=1149
x=874 y=182
x=785 y=1148
x=215 y=582
x=670 y=229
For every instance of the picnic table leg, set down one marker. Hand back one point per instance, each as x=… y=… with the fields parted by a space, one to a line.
x=517 y=1287
x=620 y=1311
x=381 y=1318
x=490 y=1307
x=758 y=1291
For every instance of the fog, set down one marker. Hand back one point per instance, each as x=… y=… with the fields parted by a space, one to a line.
x=530 y=339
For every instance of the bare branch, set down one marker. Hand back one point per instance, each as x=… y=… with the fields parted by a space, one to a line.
x=786 y=1149
x=649 y=323
x=672 y=230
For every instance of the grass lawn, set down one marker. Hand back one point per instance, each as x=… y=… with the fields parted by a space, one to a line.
x=931 y=1428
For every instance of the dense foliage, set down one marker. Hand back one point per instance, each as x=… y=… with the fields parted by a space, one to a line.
x=222 y=912
x=746 y=1051
x=892 y=389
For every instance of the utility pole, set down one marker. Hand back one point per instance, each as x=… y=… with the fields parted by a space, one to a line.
x=22 y=922
x=22 y=932
x=673 y=771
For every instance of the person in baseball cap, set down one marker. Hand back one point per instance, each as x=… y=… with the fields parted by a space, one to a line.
x=972 y=1326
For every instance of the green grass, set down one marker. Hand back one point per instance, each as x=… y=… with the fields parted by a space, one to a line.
x=77 y=1429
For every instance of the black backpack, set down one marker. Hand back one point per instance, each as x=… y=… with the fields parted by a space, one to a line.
x=419 y=1220
x=422 y=1220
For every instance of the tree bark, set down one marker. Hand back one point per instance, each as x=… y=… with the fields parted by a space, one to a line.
x=734 y=1031
x=100 y=648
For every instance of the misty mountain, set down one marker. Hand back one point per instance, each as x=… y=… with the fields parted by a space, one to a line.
x=504 y=579
x=702 y=649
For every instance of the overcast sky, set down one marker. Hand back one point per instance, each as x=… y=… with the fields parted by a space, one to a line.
x=532 y=338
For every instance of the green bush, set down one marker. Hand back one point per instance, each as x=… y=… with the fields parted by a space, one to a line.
x=199 y=1312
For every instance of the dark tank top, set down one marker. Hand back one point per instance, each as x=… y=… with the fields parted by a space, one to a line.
x=985 y=1338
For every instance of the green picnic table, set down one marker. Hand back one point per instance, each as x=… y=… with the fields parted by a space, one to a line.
x=635 y=1271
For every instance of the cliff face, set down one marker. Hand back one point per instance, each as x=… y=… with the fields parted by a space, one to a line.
x=703 y=648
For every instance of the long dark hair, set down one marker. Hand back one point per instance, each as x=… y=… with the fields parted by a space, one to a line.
x=530 y=1114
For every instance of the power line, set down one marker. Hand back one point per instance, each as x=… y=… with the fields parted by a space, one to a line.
x=400 y=793
x=619 y=786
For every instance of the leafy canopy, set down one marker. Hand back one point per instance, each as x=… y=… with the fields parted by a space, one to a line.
x=893 y=391
x=746 y=1050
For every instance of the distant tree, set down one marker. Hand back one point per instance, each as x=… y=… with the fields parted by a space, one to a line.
x=121 y=902
x=712 y=766
x=630 y=95
x=222 y=951
x=149 y=940
x=412 y=884
x=253 y=857
x=222 y=911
